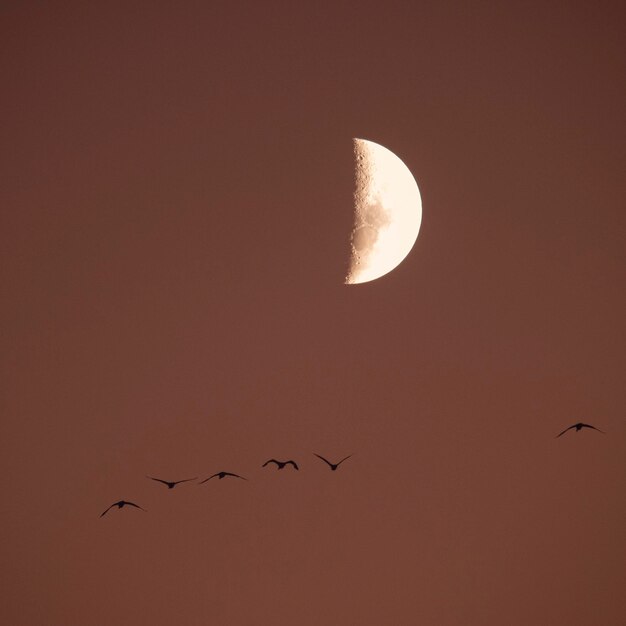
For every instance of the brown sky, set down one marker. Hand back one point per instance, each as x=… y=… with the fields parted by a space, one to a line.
x=176 y=201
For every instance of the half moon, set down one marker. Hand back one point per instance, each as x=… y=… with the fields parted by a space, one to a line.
x=387 y=212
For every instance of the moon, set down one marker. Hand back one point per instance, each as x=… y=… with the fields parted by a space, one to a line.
x=387 y=212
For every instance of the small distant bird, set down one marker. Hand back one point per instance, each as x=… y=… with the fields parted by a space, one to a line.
x=221 y=475
x=333 y=466
x=120 y=504
x=578 y=427
x=281 y=464
x=171 y=483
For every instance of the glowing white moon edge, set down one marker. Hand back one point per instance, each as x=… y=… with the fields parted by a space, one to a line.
x=387 y=212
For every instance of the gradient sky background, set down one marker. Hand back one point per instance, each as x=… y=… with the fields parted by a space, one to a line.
x=176 y=202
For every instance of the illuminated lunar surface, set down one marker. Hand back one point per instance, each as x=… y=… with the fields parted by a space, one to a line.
x=387 y=212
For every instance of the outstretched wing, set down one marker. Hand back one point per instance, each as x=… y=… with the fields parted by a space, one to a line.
x=563 y=432
x=590 y=426
x=209 y=478
x=344 y=459
x=135 y=505
x=319 y=456
x=235 y=475
x=270 y=461
x=165 y=482
x=105 y=512
x=293 y=463
x=185 y=480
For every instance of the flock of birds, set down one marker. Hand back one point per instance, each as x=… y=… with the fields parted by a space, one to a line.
x=170 y=484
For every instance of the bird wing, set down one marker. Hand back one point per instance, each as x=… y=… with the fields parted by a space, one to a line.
x=209 y=478
x=270 y=461
x=344 y=459
x=235 y=475
x=185 y=480
x=319 y=456
x=104 y=512
x=293 y=463
x=590 y=426
x=135 y=505
x=165 y=482
x=564 y=431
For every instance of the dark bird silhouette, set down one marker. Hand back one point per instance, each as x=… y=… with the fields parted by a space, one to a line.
x=171 y=483
x=221 y=475
x=281 y=464
x=333 y=466
x=578 y=427
x=120 y=504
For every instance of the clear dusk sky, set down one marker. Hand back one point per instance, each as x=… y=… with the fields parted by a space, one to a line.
x=176 y=201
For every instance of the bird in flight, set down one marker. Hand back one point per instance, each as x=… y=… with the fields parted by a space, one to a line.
x=281 y=464
x=121 y=504
x=171 y=483
x=333 y=466
x=578 y=427
x=221 y=475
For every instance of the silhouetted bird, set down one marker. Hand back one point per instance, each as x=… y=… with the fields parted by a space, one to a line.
x=333 y=466
x=221 y=475
x=281 y=464
x=172 y=483
x=120 y=504
x=578 y=427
